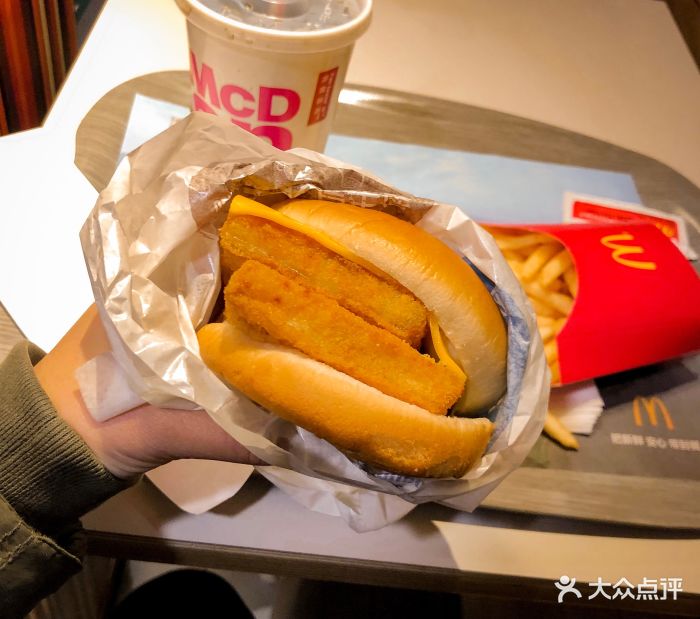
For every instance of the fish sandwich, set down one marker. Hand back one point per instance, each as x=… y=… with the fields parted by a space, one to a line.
x=361 y=328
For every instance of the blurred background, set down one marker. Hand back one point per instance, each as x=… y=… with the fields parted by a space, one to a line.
x=39 y=40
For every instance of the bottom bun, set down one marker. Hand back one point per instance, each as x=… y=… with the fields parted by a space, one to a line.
x=360 y=420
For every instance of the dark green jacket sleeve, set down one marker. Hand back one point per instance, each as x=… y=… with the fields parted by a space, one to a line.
x=48 y=479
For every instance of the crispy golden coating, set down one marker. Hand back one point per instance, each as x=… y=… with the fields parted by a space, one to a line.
x=311 y=322
x=437 y=275
x=380 y=302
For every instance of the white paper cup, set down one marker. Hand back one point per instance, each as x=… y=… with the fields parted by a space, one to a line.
x=281 y=85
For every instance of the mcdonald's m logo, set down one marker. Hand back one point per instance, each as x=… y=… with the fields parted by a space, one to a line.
x=620 y=250
x=650 y=405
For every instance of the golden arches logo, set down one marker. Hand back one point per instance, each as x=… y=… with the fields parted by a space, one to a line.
x=650 y=405
x=612 y=241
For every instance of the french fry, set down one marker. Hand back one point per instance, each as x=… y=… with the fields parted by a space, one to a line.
x=517 y=267
x=547 y=332
x=513 y=255
x=544 y=320
x=548 y=276
x=551 y=352
x=558 y=285
x=571 y=279
x=542 y=309
x=560 y=302
x=554 y=370
x=555 y=267
x=556 y=430
x=546 y=271
x=520 y=241
x=537 y=259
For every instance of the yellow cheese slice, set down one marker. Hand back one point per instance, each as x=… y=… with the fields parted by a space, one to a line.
x=240 y=205
x=440 y=348
x=245 y=206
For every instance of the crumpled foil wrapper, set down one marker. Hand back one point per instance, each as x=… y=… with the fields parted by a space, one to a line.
x=151 y=247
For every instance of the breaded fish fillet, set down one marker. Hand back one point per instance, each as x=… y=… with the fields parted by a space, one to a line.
x=309 y=321
x=381 y=302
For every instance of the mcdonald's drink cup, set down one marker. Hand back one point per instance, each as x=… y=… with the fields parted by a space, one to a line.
x=273 y=67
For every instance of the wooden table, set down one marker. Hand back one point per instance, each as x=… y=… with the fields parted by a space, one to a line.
x=260 y=529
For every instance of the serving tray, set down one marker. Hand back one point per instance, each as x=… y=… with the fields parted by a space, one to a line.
x=636 y=468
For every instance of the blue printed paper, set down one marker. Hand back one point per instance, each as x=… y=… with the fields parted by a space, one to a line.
x=486 y=187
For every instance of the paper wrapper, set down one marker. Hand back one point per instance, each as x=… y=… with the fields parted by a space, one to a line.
x=151 y=247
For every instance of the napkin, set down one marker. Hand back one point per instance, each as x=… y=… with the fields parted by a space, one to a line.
x=105 y=388
x=577 y=406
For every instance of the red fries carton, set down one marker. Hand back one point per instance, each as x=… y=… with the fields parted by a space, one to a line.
x=614 y=297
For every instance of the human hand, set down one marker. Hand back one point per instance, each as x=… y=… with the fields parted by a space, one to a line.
x=140 y=439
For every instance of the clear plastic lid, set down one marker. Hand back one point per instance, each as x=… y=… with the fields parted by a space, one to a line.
x=288 y=15
x=281 y=26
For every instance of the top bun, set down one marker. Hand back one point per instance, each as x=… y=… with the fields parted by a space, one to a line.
x=449 y=288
